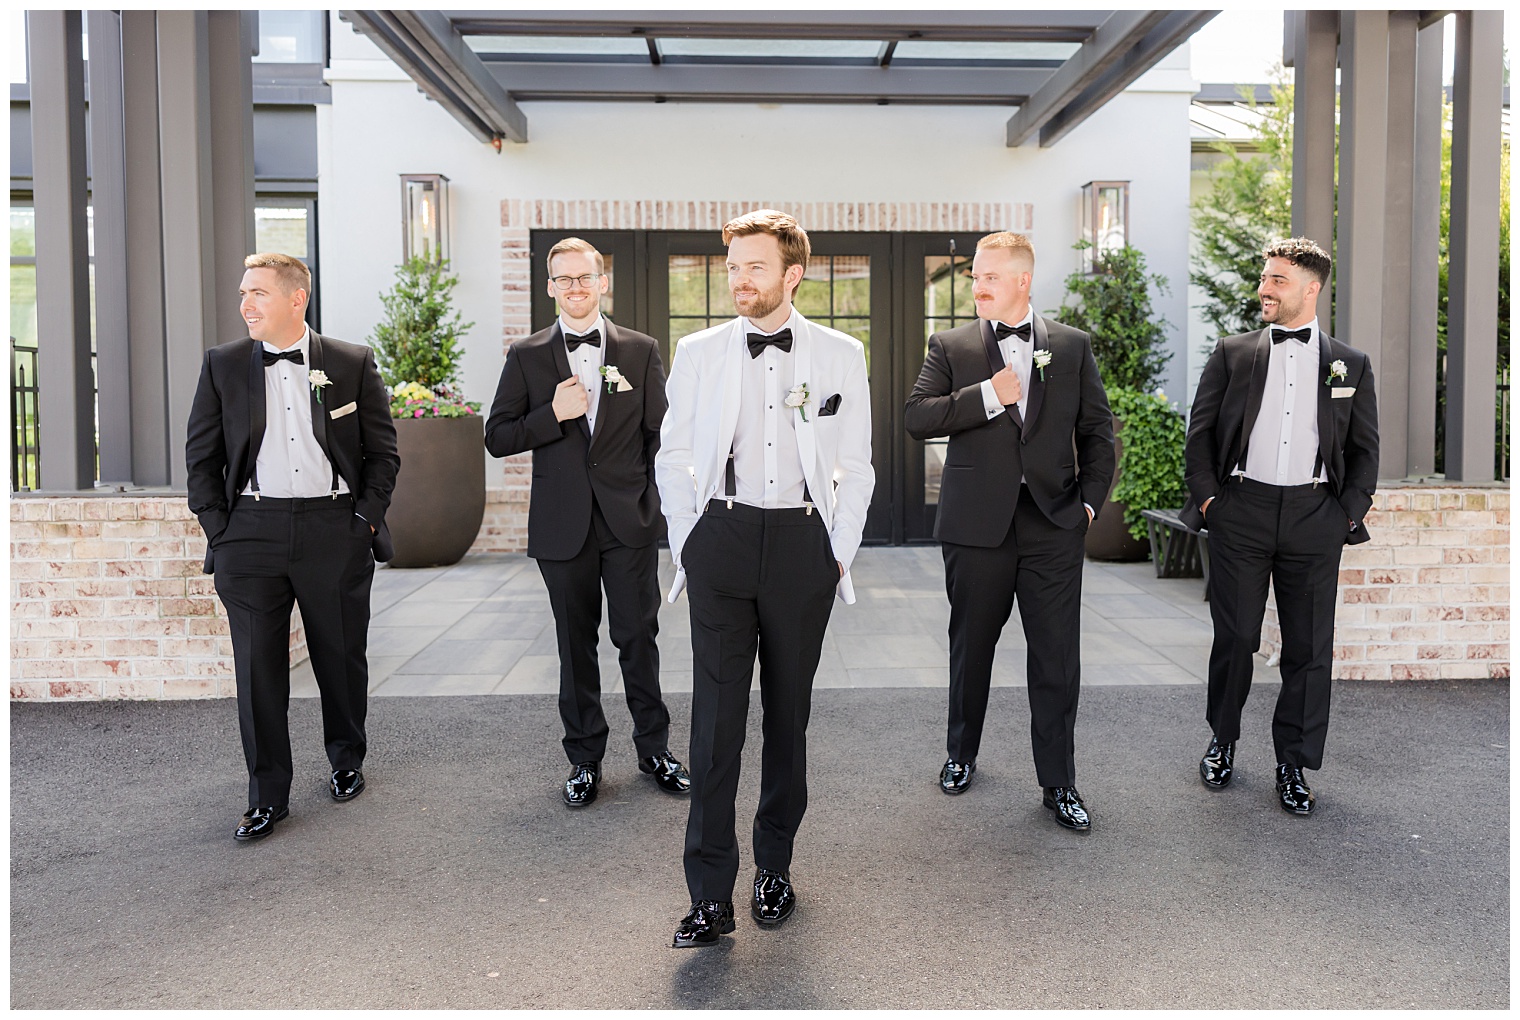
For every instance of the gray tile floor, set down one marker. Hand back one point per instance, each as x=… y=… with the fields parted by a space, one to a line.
x=483 y=626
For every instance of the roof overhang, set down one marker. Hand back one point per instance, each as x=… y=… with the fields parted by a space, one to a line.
x=1056 y=67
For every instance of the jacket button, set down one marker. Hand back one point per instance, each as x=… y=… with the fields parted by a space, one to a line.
x=593 y=463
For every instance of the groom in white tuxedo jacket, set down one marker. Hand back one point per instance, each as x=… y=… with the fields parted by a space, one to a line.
x=764 y=471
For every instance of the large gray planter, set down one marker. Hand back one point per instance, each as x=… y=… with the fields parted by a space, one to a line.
x=1108 y=538
x=440 y=496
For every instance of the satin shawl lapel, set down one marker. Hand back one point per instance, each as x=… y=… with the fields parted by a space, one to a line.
x=807 y=445
x=1036 y=382
x=996 y=363
x=257 y=412
x=609 y=357
x=1326 y=419
x=562 y=362
x=1259 y=360
x=733 y=379
x=318 y=406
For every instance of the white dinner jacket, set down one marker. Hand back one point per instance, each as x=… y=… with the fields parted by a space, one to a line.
x=698 y=432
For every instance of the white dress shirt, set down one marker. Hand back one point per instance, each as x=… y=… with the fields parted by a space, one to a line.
x=767 y=467
x=1285 y=439
x=1019 y=355
x=586 y=363
x=291 y=465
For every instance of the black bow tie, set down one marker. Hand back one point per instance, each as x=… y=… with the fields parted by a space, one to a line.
x=270 y=357
x=594 y=338
x=759 y=342
x=1301 y=335
x=1022 y=332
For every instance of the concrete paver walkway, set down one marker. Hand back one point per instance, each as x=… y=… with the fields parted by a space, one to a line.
x=484 y=627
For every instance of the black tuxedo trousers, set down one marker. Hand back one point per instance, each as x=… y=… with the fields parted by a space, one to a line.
x=758 y=581
x=315 y=553
x=629 y=575
x=1039 y=564
x=1291 y=536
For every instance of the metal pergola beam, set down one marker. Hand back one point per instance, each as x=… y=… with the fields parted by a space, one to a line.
x=743 y=83
x=445 y=70
x=1123 y=48
x=1004 y=26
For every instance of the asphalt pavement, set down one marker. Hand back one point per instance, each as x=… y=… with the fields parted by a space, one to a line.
x=459 y=879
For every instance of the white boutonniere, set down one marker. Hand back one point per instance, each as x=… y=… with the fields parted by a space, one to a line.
x=1042 y=360
x=1337 y=371
x=615 y=380
x=318 y=379
x=798 y=397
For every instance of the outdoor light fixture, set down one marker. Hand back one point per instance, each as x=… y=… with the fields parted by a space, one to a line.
x=425 y=216
x=1105 y=219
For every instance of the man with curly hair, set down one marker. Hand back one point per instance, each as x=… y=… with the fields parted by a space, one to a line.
x=1282 y=462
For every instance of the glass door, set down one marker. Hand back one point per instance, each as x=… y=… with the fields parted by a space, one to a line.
x=619 y=250
x=936 y=296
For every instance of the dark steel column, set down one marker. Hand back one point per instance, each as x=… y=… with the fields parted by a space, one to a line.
x=1315 y=36
x=1424 y=263
x=1398 y=243
x=108 y=194
x=66 y=403
x=232 y=35
x=1472 y=314
x=1363 y=182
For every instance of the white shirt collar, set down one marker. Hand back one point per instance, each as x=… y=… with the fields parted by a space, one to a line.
x=565 y=329
x=303 y=345
x=750 y=327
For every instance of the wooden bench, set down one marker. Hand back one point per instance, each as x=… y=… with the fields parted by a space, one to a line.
x=1177 y=551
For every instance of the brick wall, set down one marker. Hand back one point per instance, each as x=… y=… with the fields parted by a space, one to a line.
x=108 y=601
x=1428 y=597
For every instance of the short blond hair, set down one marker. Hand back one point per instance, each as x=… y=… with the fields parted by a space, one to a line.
x=289 y=270
x=795 y=248
x=570 y=244
x=1017 y=245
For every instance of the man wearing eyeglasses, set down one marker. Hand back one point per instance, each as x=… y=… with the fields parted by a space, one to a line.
x=587 y=397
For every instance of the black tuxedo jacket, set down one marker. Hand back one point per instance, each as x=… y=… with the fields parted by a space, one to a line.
x=227 y=421
x=1229 y=399
x=569 y=461
x=1064 y=446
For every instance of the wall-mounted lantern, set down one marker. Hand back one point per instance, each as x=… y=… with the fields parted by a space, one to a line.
x=1105 y=219
x=424 y=216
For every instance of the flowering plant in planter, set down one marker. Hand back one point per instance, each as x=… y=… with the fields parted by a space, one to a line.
x=411 y=400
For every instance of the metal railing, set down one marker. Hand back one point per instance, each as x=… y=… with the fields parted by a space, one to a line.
x=24 y=396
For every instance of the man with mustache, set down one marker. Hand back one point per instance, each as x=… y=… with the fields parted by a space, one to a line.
x=1282 y=461
x=1028 y=465
x=765 y=475
x=586 y=396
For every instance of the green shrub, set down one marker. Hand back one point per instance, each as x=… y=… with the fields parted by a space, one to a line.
x=418 y=340
x=1152 y=474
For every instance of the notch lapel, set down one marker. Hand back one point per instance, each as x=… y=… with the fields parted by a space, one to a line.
x=728 y=409
x=1259 y=359
x=996 y=363
x=562 y=362
x=609 y=350
x=257 y=412
x=1036 y=383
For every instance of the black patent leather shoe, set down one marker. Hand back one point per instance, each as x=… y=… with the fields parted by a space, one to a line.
x=669 y=774
x=580 y=788
x=1218 y=765
x=346 y=784
x=774 y=899
x=956 y=775
x=1292 y=792
x=1066 y=802
x=259 y=822
x=708 y=919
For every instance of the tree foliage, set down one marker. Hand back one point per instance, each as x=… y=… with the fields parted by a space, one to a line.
x=1113 y=304
x=1248 y=204
x=418 y=341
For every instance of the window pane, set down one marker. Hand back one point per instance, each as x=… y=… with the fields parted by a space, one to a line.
x=530 y=46
x=860 y=329
x=812 y=298
x=852 y=285
x=771 y=50
x=281 y=229
x=24 y=305
x=23 y=230
x=680 y=327
x=720 y=301
x=934 y=467
x=688 y=285
x=292 y=37
x=606 y=303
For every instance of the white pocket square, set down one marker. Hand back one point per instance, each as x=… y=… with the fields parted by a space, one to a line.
x=1337 y=392
x=348 y=408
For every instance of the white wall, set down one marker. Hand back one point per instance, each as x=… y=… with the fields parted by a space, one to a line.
x=380 y=126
